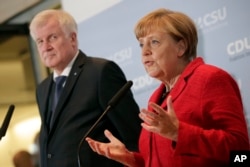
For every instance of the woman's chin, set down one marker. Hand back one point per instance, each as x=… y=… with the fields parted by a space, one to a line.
x=153 y=74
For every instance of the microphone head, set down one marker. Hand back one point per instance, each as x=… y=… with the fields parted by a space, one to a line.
x=11 y=107
x=116 y=98
x=6 y=121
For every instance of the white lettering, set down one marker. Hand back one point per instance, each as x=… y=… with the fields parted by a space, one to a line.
x=237 y=158
x=243 y=157
x=240 y=158
x=122 y=55
x=212 y=18
x=142 y=82
x=238 y=46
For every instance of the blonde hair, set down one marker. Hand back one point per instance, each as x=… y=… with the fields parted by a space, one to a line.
x=178 y=25
x=65 y=20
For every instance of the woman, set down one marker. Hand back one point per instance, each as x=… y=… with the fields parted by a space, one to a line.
x=196 y=116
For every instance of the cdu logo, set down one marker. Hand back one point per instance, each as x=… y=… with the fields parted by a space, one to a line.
x=240 y=158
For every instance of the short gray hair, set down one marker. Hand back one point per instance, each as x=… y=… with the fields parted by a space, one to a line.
x=66 y=21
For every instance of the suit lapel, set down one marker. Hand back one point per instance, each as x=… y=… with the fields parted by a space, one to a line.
x=46 y=103
x=176 y=91
x=71 y=81
x=182 y=81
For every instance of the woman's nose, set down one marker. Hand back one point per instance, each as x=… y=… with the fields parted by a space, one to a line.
x=145 y=50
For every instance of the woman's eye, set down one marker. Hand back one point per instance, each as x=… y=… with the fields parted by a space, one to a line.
x=155 y=42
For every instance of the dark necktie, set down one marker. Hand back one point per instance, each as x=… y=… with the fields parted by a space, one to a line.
x=58 y=89
x=59 y=81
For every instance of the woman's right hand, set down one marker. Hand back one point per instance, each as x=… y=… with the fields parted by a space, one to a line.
x=114 y=150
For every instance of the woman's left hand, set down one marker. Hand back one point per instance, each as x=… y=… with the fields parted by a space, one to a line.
x=164 y=123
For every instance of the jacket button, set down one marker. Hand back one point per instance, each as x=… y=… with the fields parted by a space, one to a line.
x=49 y=156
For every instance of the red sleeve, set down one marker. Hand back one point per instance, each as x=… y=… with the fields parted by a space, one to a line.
x=222 y=110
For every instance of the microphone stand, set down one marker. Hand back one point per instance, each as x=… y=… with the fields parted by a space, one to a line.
x=88 y=132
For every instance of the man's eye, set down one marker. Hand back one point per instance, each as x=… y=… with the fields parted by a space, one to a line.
x=52 y=38
x=141 y=45
x=39 y=42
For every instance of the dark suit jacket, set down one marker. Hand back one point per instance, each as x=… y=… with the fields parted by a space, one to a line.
x=92 y=82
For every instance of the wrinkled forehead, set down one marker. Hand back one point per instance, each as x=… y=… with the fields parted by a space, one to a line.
x=43 y=28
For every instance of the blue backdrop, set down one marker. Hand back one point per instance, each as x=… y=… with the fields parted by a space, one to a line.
x=223 y=26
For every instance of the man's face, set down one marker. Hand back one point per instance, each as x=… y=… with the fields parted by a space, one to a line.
x=56 y=48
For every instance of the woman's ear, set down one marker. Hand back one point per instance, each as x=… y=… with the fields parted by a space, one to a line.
x=181 y=48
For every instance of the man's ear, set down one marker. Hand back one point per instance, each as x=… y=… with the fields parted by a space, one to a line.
x=73 y=36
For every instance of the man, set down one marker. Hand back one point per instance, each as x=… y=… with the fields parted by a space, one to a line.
x=90 y=83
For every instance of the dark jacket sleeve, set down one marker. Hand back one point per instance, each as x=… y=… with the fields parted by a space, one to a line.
x=124 y=115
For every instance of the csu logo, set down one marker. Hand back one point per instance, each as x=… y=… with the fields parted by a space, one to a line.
x=212 y=18
x=122 y=55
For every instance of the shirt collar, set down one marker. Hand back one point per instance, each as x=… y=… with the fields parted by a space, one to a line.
x=67 y=69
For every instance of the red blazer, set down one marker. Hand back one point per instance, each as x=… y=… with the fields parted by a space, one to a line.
x=208 y=104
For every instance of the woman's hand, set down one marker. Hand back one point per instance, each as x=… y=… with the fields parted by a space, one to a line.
x=114 y=150
x=164 y=123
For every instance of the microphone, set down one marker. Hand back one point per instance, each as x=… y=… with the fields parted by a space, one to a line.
x=120 y=94
x=6 y=121
x=112 y=103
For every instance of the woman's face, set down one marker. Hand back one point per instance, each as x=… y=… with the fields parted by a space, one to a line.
x=160 y=54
